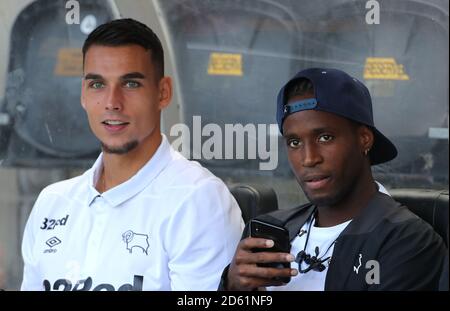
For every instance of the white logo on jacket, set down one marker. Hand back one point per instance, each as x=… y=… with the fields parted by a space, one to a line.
x=356 y=269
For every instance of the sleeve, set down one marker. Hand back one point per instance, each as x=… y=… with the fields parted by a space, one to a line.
x=31 y=280
x=223 y=277
x=202 y=236
x=411 y=259
x=223 y=280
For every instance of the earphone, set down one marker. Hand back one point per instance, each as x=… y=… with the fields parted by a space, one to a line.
x=315 y=264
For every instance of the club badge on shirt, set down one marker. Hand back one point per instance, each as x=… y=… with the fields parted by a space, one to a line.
x=135 y=240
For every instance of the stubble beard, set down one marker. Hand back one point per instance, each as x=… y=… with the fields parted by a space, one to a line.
x=124 y=149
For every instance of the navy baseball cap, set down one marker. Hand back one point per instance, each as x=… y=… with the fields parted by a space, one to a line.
x=338 y=93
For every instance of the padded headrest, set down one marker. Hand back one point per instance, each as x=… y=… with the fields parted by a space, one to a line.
x=254 y=200
x=430 y=205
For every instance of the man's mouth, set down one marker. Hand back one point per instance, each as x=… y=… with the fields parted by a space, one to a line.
x=315 y=182
x=114 y=122
x=114 y=125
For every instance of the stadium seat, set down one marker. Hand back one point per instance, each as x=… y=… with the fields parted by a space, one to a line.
x=430 y=205
x=254 y=200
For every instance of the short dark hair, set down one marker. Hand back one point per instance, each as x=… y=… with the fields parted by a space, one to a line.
x=128 y=31
x=299 y=87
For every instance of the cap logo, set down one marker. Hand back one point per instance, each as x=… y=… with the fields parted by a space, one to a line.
x=305 y=104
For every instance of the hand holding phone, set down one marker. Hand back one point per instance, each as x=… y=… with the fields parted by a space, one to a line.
x=280 y=237
x=249 y=270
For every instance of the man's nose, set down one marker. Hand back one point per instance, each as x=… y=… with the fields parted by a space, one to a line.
x=311 y=155
x=114 y=99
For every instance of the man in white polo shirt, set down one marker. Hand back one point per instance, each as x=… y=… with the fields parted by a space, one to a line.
x=143 y=217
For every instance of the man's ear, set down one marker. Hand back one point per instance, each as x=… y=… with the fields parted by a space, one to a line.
x=83 y=102
x=366 y=138
x=165 y=92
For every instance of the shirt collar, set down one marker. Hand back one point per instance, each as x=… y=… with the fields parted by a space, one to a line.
x=121 y=193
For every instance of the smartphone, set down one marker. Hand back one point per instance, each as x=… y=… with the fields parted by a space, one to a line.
x=280 y=237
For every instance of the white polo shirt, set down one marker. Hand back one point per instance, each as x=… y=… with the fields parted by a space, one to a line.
x=172 y=226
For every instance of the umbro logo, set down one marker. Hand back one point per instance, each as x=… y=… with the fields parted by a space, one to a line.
x=52 y=242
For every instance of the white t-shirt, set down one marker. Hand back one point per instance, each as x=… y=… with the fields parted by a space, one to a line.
x=172 y=226
x=322 y=237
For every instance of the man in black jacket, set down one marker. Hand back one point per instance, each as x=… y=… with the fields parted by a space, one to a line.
x=351 y=236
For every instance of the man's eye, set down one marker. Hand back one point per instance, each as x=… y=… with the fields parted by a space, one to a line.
x=132 y=84
x=293 y=143
x=96 y=85
x=325 y=138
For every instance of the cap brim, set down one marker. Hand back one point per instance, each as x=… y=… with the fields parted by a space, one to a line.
x=383 y=150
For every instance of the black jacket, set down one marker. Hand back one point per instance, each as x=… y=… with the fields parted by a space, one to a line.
x=409 y=252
